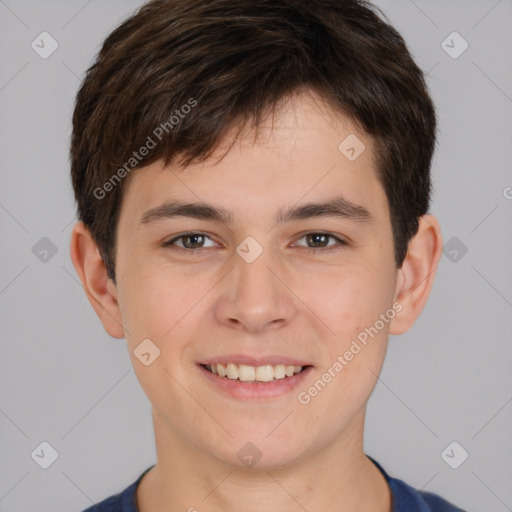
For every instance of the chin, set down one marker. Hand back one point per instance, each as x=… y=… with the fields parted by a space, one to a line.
x=264 y=455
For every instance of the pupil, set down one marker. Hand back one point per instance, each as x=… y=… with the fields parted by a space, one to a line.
x=315 y=236
x=190 y=237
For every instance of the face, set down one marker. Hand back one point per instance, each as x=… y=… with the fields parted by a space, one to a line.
x=271 y=284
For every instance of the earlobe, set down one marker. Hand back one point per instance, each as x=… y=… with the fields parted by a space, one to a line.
x=100 y=290
x=416 y=277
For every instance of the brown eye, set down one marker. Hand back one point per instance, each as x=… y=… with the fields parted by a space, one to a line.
x=318 y=238
x=320 y=241
x=190 y=241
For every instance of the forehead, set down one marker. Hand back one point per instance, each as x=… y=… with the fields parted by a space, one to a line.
x=303 y=153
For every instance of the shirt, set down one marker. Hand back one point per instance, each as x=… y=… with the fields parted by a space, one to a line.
x=404 y=498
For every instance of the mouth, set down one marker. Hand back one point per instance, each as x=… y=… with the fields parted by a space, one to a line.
x=254 y=374
x=259 y=383
x=251 y=377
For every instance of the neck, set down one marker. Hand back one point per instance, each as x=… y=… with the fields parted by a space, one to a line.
x=338 y=477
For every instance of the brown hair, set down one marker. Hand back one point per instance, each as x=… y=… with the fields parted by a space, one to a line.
x=177 y=74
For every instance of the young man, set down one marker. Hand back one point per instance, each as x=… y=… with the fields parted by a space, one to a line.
x=252 y=181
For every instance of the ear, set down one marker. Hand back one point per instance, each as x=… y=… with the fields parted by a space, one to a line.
x=99 y=288
x=416 y=276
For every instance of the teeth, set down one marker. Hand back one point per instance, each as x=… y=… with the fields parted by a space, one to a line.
x=246 y=373
x=280 y=371
x=232 y=370
x=221 y=370
x=265 y=373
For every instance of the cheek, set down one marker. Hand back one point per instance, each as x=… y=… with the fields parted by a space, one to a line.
x=161 y=306
x=348 y=299
x=157 y=300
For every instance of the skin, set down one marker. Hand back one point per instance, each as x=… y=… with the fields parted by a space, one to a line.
x=289 y=301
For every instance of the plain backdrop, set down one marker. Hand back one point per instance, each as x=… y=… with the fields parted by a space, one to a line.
x=65 y=382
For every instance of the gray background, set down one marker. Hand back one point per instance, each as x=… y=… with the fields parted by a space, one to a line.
x=63 y=380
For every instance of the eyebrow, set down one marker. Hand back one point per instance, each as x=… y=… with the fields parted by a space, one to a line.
x=335 y=207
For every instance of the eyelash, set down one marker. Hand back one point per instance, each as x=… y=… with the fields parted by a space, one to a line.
x=341 y=245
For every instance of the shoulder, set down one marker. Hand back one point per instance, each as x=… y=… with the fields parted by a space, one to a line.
x=111 y=504
x=408 y=499
x=124 y=501
x=438 y=504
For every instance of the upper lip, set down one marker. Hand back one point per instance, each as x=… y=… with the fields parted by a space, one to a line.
x=248 y=360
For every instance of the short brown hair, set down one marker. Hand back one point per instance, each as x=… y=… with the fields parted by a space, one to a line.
x=232 y=62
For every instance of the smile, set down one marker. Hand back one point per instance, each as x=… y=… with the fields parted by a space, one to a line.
x=245 y=373
x=255 y=377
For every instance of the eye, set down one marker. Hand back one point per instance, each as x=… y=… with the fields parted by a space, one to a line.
x=191 y=241
x=321 y=239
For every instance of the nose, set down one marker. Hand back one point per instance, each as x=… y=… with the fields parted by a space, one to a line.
x=256 y=296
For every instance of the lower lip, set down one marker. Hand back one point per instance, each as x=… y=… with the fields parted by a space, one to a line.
x=256 y=390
